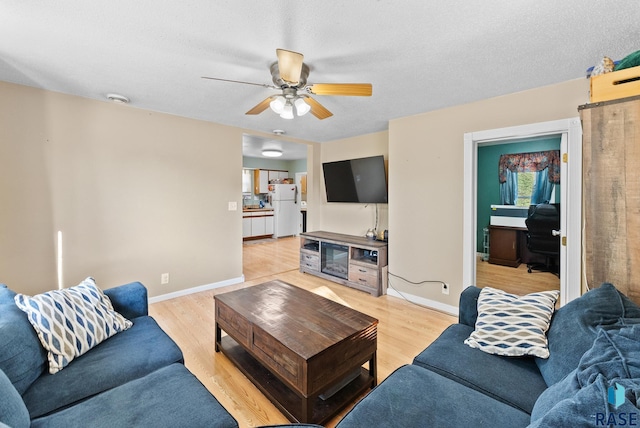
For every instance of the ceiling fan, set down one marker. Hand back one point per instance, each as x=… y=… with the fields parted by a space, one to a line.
x=289 y=74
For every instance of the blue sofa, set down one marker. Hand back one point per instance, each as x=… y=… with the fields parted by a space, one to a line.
x=594 y=343
x=135 y=378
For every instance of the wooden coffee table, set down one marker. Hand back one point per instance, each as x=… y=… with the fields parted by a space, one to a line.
x=304 y=352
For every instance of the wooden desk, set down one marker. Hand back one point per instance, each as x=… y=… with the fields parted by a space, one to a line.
x=504 y=245
x=508 y=247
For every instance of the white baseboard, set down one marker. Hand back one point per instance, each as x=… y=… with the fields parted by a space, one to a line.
x=197 y=289
x=432 y=304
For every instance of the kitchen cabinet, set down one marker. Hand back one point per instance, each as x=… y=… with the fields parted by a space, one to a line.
x=611 y=189
x=246 y=227
x=268 y=225
x=278 y=175
x=257 y=224
x=260 y=181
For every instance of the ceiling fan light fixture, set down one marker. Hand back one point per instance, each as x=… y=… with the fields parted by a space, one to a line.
x=287 y=111
x=272 y=153
x=277 y=104
x=302 y=107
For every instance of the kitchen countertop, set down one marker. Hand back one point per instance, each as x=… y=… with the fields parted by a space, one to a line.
x=253 y=210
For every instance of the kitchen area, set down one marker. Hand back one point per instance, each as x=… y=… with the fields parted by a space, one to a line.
x=274 y=192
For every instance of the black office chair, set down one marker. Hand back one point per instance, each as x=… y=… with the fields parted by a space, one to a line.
x=542 y=219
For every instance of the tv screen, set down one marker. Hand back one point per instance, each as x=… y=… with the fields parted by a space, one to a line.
x=356 y=180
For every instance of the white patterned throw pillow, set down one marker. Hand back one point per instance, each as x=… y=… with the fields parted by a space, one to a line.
x=71 y=321
x=513 y=325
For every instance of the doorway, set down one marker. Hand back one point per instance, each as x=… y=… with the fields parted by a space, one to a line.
x=570 y=133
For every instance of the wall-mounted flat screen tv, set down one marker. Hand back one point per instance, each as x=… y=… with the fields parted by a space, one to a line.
x=356 y=180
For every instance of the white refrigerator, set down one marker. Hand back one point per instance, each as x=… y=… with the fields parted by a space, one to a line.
x=285 y=209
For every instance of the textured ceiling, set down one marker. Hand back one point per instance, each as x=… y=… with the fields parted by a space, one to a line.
x=420 y=55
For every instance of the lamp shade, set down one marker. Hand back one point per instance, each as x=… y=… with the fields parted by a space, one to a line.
x=302 y=107
x=287 y=111
x=277 y=104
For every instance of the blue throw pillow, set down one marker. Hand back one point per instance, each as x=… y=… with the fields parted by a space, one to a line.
x=574 y=328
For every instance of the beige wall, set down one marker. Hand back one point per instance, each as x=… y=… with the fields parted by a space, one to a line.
x=353 y=219
x=426 y=180
x=135 y=194
x=138 y=193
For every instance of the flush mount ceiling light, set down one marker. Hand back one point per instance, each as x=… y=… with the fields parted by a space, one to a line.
x=272 y=153
x=118 y=99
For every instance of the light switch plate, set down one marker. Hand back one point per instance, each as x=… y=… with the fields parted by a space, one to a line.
x=233 y=206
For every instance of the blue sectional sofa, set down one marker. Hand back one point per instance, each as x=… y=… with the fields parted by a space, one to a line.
x=594 y=344
x=134 y=378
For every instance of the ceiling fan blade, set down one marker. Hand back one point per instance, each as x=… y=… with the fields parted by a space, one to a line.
x=347 y=89
x=260 y=107
x=317 y=109
x=289 y=65
x=264 y=85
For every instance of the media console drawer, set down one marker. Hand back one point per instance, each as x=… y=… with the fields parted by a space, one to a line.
x=309 y=261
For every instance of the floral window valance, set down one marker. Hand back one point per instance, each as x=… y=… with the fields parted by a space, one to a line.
x=531 y=162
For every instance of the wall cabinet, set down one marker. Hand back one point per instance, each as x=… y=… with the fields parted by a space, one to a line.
x=260 y=181
x=278 y=175
x=611 y=193
x=262 y=178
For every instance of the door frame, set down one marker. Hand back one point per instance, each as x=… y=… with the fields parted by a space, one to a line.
x=570 y=131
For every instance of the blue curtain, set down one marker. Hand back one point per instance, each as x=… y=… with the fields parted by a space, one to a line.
x=542 y=188
x=509 y=189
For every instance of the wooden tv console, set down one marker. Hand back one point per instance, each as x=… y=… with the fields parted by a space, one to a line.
x=354 y=261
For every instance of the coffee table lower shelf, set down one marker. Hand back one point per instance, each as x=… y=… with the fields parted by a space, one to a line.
x=292 y=405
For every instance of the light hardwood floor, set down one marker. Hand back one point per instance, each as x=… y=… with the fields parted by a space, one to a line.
x=404 y=328
x=514 y=280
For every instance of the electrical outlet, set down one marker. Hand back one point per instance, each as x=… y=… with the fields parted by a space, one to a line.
x=233 y=206
x=164 y=278
x=445 y=288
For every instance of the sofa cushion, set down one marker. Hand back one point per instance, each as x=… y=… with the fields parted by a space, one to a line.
x=168 y=397
x=513 y=325
x=614 y=355
x=414 y=397
x=13 y=412
x=574 y=328
x=22 y=358
x=71 y=321
x=129 y=355
x=515 y=381
x=589 y=407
